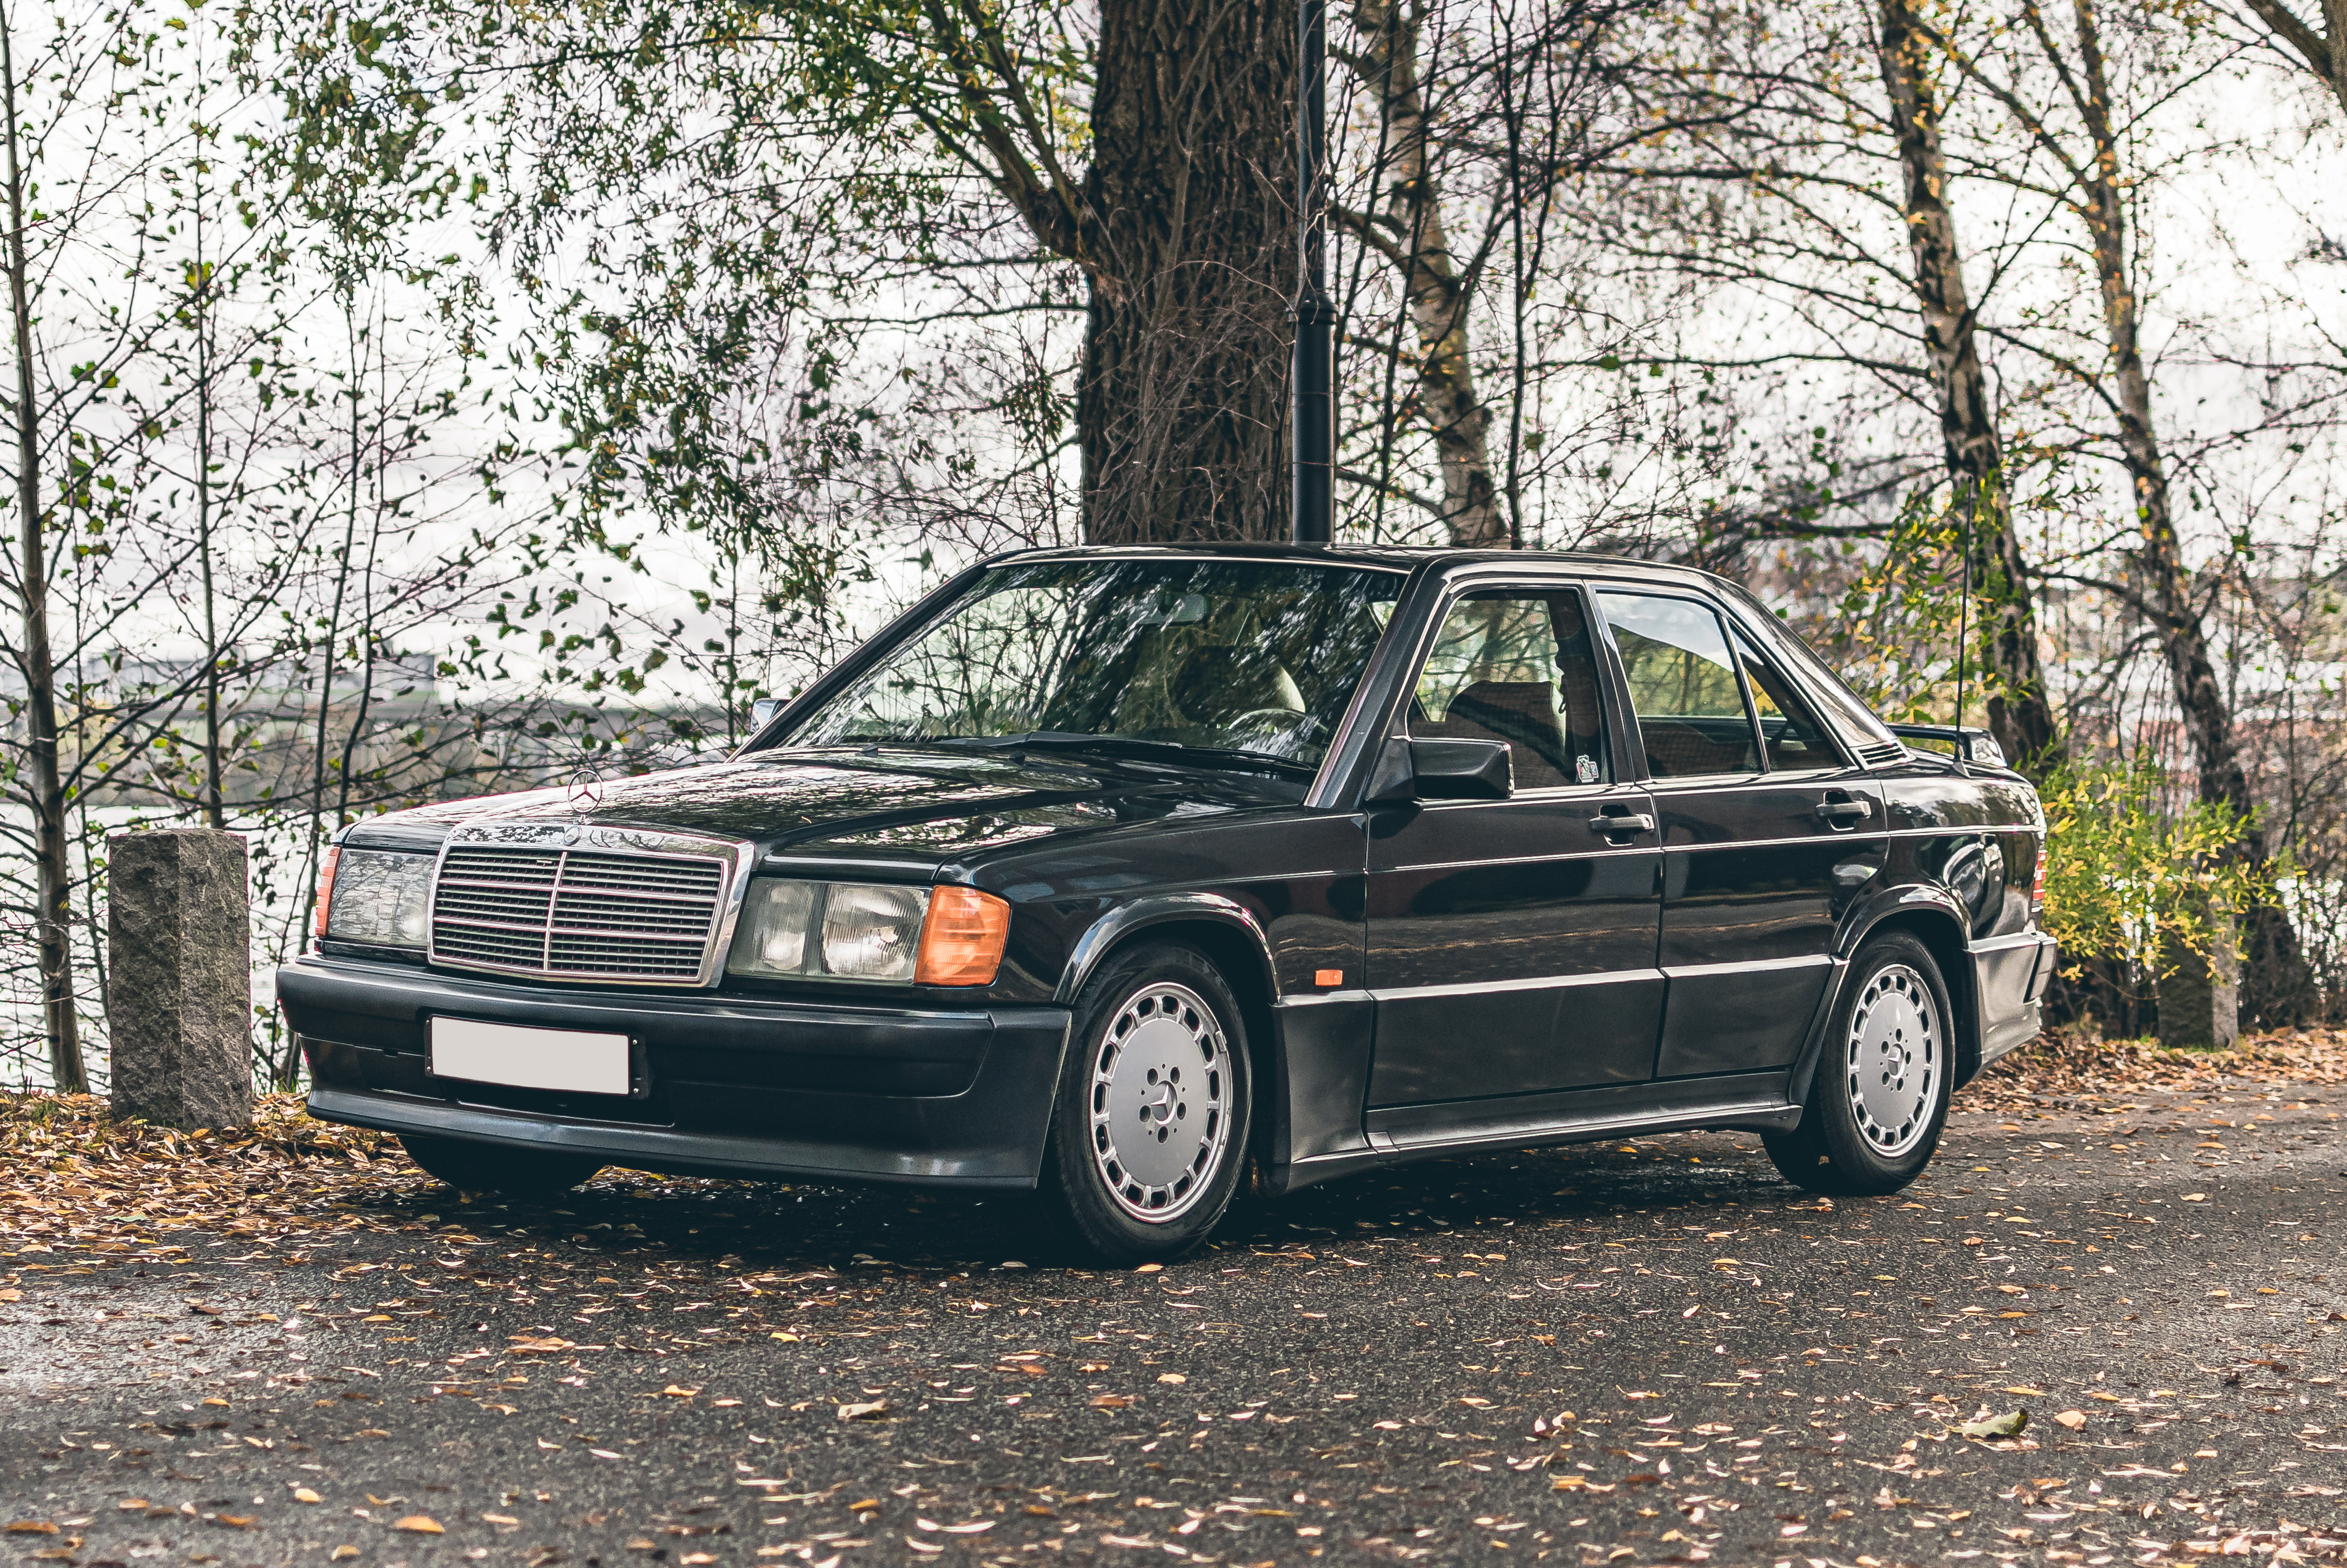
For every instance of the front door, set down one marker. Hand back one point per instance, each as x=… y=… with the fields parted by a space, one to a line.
x=1511 y=944
x=1766 y=830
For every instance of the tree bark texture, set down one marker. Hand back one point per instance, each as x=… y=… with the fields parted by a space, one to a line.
x=1411 y=235
x=45 y=793
x=1189 y=234
x=2020 y=710
x=2278 y=988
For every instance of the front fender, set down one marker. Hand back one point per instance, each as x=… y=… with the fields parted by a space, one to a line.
x=1159 y=909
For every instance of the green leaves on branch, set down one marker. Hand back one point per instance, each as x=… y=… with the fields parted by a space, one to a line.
x=2134 y=871
x=1904 y=617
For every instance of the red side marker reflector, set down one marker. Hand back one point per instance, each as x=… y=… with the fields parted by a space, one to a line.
x=326 y=900
x=1328 y=976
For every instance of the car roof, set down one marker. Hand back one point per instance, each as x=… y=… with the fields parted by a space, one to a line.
x=1392 y=558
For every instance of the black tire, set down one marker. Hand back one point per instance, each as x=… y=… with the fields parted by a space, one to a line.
x=1152 y=1189
x=1879 y=1101
x=493 y=1168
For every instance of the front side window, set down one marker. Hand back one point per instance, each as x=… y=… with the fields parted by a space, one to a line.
x=1518 y=666
x=1257 y=657
x=1684 y=686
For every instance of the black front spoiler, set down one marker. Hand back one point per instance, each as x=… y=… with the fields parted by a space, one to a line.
x=1009 y=1166
x=725 y=1085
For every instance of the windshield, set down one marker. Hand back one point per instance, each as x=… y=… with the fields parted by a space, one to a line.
x=1256 y=657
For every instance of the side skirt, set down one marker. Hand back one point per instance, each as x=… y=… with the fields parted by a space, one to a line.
x=1752 y=1102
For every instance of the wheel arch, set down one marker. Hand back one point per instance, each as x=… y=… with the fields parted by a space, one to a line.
x=1233 y=940
x=1939 y=925
x=1223 y=926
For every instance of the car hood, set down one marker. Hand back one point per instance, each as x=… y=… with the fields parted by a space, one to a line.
x=895 y=805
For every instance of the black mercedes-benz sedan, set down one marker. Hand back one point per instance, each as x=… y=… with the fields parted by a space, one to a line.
x=1123 y=874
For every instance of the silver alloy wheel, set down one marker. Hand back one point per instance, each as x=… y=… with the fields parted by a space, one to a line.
x=1892 y=1060
x=1161 y=1102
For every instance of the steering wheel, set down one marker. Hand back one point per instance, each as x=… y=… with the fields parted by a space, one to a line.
x=1284 y=717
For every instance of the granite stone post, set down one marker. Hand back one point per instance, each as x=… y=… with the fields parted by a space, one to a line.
x=179 y=977
x=2200 y=994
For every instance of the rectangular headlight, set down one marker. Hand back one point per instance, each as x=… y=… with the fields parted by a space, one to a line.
x=872 y=932
x=869 y=931
x=772 y=939
x=380 y=898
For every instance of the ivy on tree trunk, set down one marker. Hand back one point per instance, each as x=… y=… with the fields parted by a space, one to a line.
x=1182 y=404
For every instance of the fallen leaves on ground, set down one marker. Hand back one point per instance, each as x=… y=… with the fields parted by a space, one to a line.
x=2071 y=1062
x=2008 y=1425
x=78 y=1176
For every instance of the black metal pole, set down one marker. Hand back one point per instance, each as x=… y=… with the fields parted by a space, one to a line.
x=1314 y=431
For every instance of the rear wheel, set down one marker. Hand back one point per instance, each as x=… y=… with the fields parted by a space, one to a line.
x=1149 y=1133
x=1881 y=1098
x=493 y=1168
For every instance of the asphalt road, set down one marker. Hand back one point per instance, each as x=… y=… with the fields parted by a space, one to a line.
x=1658 y=1354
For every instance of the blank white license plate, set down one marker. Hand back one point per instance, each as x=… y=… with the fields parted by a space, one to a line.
x=568 y=1060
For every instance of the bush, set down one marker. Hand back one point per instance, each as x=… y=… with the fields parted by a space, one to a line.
x=2136 y=874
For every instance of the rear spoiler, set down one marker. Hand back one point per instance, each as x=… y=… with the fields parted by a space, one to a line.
x=1964 y=743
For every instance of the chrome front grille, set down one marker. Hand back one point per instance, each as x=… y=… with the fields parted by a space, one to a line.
x=579 y=913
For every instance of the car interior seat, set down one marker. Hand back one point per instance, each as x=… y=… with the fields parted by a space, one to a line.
x=1523 y=713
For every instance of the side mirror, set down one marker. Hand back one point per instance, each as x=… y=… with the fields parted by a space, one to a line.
x=1444 y=769
x=763 y=709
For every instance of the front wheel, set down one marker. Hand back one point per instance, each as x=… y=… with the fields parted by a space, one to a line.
x=1149 y=1133
x=493 y=1168
x=1881 y=1097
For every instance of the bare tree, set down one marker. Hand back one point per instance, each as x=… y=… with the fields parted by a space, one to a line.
x=35 y=653
x=2075 y=124
x=2020 y=707
x=1409 y=231
x=2321 y=49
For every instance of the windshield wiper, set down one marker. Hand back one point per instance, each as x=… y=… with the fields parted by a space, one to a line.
x=1171 y=751
x=1068 y=738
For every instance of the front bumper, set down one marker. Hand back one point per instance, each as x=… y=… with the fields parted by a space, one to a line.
x=730 y=1086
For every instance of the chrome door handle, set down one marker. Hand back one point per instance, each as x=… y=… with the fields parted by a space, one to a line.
x=1629 y=822
x=1844 y=812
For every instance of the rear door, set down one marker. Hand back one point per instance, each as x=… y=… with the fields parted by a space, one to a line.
x=1511 y=944
x=1766 y=830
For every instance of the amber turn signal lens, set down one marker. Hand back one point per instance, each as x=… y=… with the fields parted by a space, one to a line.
x=961 y=939
x=327 y=887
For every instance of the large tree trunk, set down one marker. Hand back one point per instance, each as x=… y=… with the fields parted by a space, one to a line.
x=1190 y=229
x=1411 y=233
x=2275 y=977
x=45 y=793
x=2020 y=712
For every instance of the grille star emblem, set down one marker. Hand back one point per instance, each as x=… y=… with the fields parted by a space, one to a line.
x=585 y=792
